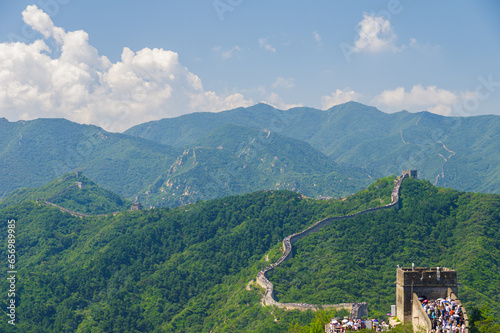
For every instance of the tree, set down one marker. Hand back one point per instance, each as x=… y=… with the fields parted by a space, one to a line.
x=486 y=322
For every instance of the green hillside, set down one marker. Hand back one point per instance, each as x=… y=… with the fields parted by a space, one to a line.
x=355 y=259
x=225 y=161
x=72 y=191
x=187 y=129
x=235 y=160
x=35 y=152
x=461 y=153
x=187 y=269
x=202 y=156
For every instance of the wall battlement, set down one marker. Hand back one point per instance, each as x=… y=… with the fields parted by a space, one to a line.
x=421 y=276
x=410 y=173
x=415 y=282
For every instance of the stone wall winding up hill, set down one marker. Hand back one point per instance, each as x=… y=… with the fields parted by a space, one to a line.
x=358 y=310
x=80 y=215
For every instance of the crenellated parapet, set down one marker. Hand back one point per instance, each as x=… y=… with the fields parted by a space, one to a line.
x=410 y=173
x=418 y=283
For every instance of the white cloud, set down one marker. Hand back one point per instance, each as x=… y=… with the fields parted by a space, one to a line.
x=284 y=83
x=415 y=45
x=261 y=93
x=276 y=101
x=227 y=54
x=42 y=23
x=317 y=36
x=444 y=110
x=83 y=86
x=375 y=35
x=339 y=97
x=264 y=44
x=432 y=99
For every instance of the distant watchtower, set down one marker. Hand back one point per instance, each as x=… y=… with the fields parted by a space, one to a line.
x=136 y=206
x=430 y=284
x=410 y=173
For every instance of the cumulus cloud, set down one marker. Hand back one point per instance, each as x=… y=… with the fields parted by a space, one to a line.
x=339 y=97
x=375 y=35
x=276 y=101
x=264 y=44
x=432 y=99
x=284 y=83
x=82 y=86
x=442 y=109
x=42 y=23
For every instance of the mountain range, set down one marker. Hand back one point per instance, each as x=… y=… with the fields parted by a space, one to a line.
x=457 y=152
x=202 y=156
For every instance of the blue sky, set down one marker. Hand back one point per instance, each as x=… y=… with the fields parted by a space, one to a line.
x=119 y=63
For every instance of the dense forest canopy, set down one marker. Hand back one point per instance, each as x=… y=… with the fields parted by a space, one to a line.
x=73 y=191
x=187 y=269
x=353 y=260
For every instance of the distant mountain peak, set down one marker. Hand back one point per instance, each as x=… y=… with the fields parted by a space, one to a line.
x=353 y=103
x=352 y=106
x=262 y=105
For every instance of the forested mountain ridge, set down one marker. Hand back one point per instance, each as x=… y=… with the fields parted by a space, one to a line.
x=202 y=156
x=185 y=269
x=230 y=160
x=457 y=152
x=72 y=191
x=35 y=152
x=355 y=259
x=290 y=240
x=233 y=159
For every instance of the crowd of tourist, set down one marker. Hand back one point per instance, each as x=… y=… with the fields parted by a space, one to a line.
x=350 y=325
x=446 y=315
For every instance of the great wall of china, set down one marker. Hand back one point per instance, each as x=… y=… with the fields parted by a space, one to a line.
x=357 y=309
x=80 y=215
x=411 y=283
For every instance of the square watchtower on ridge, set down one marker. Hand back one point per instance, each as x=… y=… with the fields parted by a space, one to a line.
x=430 y=283
x=411 y=173
x=136 y=206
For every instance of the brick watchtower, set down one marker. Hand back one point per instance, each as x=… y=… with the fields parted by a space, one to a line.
x=410 y=173
x=430 y=284
x=136 y=206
